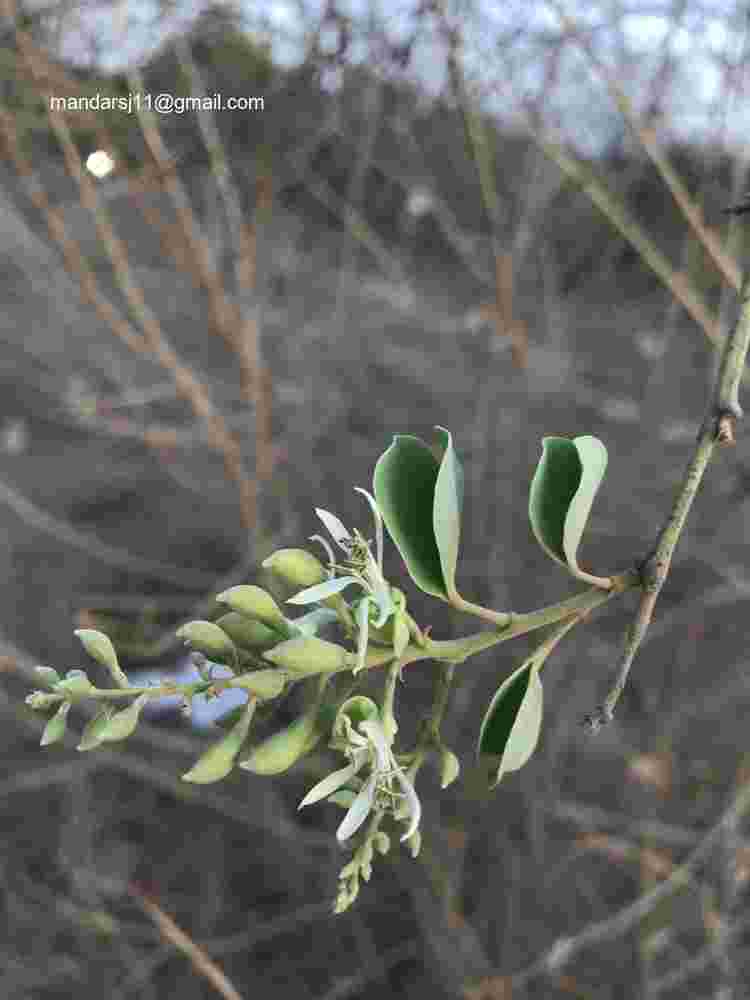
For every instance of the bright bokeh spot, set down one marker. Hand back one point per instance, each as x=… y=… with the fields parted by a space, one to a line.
x=100 y=163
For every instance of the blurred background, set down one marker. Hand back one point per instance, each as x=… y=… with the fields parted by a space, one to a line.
x=502 y=219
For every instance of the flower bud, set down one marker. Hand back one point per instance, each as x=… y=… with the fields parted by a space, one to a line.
x=91 y=735
x=208 y=638
x=354 y=710
x=75 y=685
x=47 y=676
x=99 y=647
x=54 y=731
x=254 y=602
x=41 y=700
x=246 y=632
x=296 y=567
x=218 y=760
x=307 y=655
x=449 y=767
x=263 y=684
x=280 y=751
x=381 y=842
x=123 y=723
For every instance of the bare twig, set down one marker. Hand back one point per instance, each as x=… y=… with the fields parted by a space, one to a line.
x=199 y=959
x=718 y=428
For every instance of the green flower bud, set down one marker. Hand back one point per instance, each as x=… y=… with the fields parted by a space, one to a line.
x=279 y=752
x=307 y=655
x=263 y=684
x=415 y=843
x=209 y=639
x=246 y=632
x=47 y=676
x=296 y=567
x=41 y=700
x=91 y=735
x=100 y=648
x=353 y=711
x=123 y=723
x=381 y=842
x=218 y=760
x=54 y=731
x=254 y=602
x=76 y=685
x=449 y=767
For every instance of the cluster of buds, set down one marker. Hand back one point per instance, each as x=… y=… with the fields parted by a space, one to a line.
x=261 y=651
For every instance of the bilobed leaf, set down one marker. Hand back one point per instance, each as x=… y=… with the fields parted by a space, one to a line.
x=404 y=484
x=510 y=729
x=565 y=483
x=446 y=515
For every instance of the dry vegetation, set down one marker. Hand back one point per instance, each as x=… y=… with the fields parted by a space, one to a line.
x=225 y=334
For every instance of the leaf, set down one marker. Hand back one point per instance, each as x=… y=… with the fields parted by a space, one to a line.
x=562 y=491
x=511 y=725
x=404 y=483
x=446 y=515
x=216 y=763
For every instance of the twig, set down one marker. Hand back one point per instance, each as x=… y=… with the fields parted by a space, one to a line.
x=723 y=262
x=187 y=383
x=565 y=949
x=718 y=428
x=96 y=549
x=199 y=959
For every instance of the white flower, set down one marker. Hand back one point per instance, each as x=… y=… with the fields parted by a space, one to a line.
x=362 y=568
x=377 y=792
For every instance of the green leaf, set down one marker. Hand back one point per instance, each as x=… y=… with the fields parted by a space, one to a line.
x=404 y=483
x=446 y=515
x=510 y=728
x=565 y=483
x=218 y=760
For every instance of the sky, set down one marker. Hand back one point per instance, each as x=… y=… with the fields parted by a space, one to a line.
x=133 y=29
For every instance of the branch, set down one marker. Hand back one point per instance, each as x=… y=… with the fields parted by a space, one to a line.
x=718 y=427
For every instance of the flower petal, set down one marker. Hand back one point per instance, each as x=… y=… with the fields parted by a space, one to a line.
x=380 y=591
x=378 y=524
x=375 y=733
x=336 y=529
x=327 y=546
x=334 y=781
x=320 y=591
x=359 y=810
x=413 y=803
x=363 y=627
